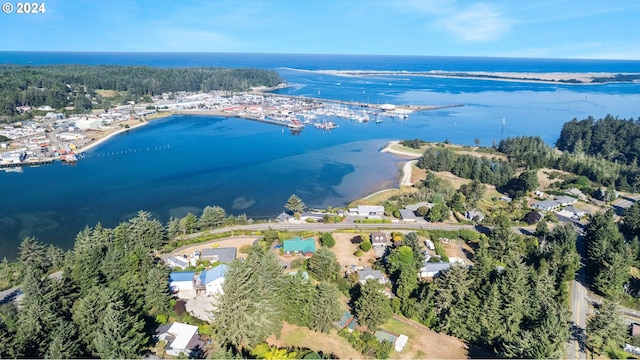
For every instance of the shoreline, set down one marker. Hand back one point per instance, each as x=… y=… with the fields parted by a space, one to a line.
x=108 y=136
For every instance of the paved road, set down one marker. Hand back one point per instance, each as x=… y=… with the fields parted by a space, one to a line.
x=15 y=292
x=579 y=305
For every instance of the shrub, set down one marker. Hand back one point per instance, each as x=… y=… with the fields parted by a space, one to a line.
x=365 y=246
x=327 y=240
x=244 y=249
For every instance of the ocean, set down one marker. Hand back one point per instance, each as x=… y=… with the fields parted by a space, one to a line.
x=181 y=164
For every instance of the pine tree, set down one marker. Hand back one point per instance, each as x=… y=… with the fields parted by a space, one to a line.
x=212 y=217
x=120 y=335
x=64 y=342
x=323 y=265
x=326 y=307
x=372 y=307
x=33 y=255
x=295 y=204
x=250 y=309
x=605 y=329
x=298 y=299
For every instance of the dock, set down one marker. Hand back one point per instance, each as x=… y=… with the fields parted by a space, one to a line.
x=27 y=163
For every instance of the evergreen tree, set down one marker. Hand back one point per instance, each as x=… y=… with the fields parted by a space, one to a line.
x=33 y=255
x=605 y=329
x=64 y=342
x=120 y=335
x=326 y=307
x=372 y=307
x=212 y=217
x=189 y=224
x=157 y=296
x=323 y=265
x=250 y=309
x=295 y=204
x=298 y=299
x=450 y=304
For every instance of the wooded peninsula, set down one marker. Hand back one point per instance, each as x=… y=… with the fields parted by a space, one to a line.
x=81 y=88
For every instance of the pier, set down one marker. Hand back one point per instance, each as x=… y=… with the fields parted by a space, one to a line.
x=27 y=163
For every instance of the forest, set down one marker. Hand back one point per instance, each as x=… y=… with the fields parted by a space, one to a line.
x=60 y=86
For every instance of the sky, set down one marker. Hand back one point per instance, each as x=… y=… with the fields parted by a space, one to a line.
x=589 y=29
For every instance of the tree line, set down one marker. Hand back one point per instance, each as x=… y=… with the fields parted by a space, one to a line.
x=61 y=85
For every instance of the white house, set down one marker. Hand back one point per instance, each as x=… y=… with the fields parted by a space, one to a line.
x=212 y=280
x=70 y=136
x=368 y=211
x=566 y=200
x=546 y=205
x=181 y=281
x=370 y=274
x=181 y=339
x=430 y=270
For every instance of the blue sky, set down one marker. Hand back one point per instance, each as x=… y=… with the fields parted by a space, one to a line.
x=596 y=29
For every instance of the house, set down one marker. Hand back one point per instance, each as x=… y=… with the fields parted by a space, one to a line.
x=211 y=280
x=577 y=193
x=368 y=211
x=181 y=339
x=474 y=215
x=408 y=215
x=430 y=270
x=545 y=205
x=398 y=340
x=178 y=262
x=284 y=218
x=635 y=329
x=574 y=212
x=181 y=281
x=370 y=274
x=298 y=246
x=312 y=216
x=378 y=239
x=223 y=255
x=566 y=200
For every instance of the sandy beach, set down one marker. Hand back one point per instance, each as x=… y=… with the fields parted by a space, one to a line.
x=108 y=136
x=551 y=77
x=405 y=180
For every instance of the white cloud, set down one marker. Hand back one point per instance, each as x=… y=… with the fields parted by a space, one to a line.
x=479 y=22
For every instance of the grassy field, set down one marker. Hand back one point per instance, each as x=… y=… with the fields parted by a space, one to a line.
x=331 y=343
x=425 y=343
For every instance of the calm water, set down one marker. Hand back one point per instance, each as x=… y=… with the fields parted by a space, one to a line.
x=181 y=164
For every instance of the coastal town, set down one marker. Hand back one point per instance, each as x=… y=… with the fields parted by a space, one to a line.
x=55 y=135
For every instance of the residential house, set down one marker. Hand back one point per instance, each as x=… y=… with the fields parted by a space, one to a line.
x=312 y=216
x=408 y=215
x=378 y=239
x=368 y=211
x=474 y=215
x=573 y=212
x=577 y=193
x=181 y=281
x=546 y=205
x=298 y=246
x=370 y=274
x=566 y=200
x=398 y=340
x=223 y=255
x=178 y=262
x=211 y=280
x=430 y=270
x=284 y=218
x=182 y=339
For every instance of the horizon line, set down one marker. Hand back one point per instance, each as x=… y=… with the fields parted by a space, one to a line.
x=312 y=54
